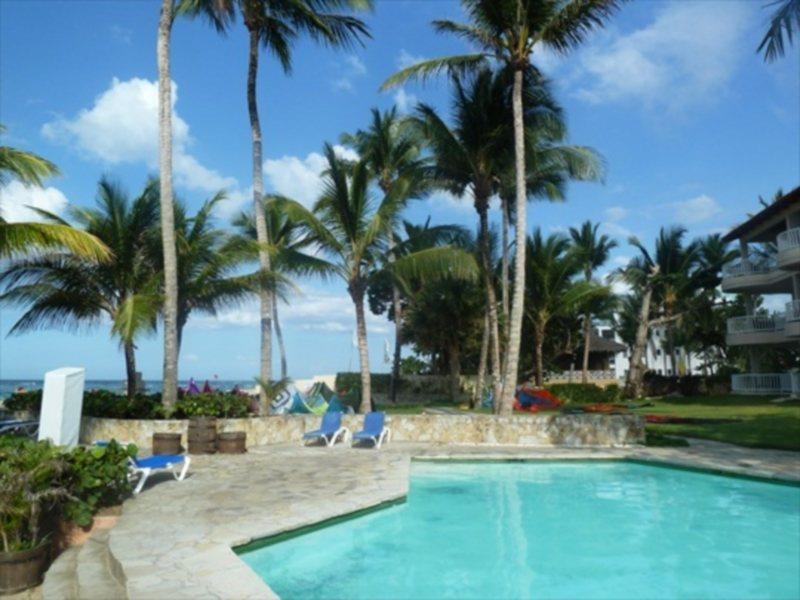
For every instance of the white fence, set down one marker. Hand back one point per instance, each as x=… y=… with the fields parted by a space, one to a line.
x=766 y=383
x=756 y=324
x=575 y=376
x=789 y=239
x=748 y=267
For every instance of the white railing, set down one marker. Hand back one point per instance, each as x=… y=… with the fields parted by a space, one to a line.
x=789 y=239
x=766 y=383
x=748 y=267
x=793 y=310
x=575 y=376
x=756 y=324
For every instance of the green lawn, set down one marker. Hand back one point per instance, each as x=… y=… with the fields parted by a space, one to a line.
x=759 y=422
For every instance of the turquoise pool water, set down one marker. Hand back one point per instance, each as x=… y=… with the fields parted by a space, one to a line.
x=553 y=530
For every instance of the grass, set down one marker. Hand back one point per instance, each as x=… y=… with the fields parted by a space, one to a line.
x=756 y=422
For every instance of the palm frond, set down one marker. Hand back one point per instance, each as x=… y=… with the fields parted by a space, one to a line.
x=455 y=65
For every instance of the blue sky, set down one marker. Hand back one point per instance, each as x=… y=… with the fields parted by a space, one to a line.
x=691 y=122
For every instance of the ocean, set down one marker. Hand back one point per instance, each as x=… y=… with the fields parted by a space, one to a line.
x=8 y=386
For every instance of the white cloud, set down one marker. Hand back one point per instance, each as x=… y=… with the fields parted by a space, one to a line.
x=404 y=101
x=351 y=68
x=122 y=127
x=310 y=310
x=406 y=59
x=686 y=56
x=616 y=230
x=15 y=198
x=616 y=213
x=121 y=34
x=301 y=178
x=696 y=209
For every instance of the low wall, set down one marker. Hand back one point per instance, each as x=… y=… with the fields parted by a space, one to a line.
x=523 y=430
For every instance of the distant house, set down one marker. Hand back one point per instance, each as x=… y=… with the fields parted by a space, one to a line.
x=773 y=269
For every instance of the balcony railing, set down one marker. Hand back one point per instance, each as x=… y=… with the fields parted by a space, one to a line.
x=756 y=324
x=793 y=310
x=749 y=267
x=766 y=383
x=789 y=239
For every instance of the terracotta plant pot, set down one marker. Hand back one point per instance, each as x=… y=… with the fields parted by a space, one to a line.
x=22 y=570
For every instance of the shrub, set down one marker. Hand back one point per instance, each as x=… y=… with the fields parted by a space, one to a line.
x=98 y=477
x=584 y=393
x=212 y=405
x=24 y=401
x=347 y=381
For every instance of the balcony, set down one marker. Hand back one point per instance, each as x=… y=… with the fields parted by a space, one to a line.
x=756 y=329
x=792 y=328
x=766 y=383
x=759 y=276
x=789 y=249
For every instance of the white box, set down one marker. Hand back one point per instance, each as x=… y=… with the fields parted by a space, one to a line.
x=62 y=402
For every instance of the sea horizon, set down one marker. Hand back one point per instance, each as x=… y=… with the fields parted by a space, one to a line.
x=151 y=386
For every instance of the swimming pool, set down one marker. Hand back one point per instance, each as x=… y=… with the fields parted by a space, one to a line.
x=553 y=530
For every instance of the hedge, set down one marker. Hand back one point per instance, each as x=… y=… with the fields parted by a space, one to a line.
x=585 y=393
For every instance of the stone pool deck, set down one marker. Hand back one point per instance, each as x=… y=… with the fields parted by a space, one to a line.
x=175 y=539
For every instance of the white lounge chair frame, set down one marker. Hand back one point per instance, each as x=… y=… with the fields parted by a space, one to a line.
x=342 y=432
x=144 y=472
x=385 y=436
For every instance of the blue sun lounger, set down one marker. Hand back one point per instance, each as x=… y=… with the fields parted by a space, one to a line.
x=144 y=467
x=375 y=429
x=329 y=430
x=19 y=427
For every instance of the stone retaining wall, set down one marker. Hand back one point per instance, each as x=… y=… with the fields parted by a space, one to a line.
x=522 y=430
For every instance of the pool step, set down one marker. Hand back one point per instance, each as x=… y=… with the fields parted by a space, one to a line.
x=87 y=572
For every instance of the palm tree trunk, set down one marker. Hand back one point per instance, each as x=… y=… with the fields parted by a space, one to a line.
x=264 y=293
x=357 y=294
x=170 y=371
x=491 y=300
x=539 y=351
x=477 y=395
x=181 y=324
x=633 y=386
x=279 y=336
x=455 y=372
x=130 y=369
x=518 y=300
x=504 y=268
x=587 y=332
x=398 y=327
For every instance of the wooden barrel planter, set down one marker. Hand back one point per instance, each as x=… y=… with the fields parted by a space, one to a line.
x=167 y=443
x=22 y=570
x=202 y=436
x=233 y=442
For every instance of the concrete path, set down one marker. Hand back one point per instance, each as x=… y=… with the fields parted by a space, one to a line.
x=174 y=540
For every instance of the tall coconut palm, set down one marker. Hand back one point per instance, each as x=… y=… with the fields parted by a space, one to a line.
x=63 y=291
x=392 y=150
x=276 y=25
x=208 y=265
x=167 y=212
x=510 y=31
x=290 y=255
x=17 y=239
x=666 y=281
x=475 y=154
x=353 y=230
x=552 y=290
x=593 y=251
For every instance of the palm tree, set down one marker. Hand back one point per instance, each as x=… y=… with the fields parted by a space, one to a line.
x=17 y=239
x=64 y=291
x=785 y=20
x=288 y=248
x=353 y=231
x=475 y=155
x=552 y=291
x=169 y=394
x=392 y=151
x=509 y=31
x=666 y=281
x=208 y=265
x=276 y=25
x=593 y=251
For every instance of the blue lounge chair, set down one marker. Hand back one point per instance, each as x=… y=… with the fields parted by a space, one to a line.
x=375 y=429
x=144 y=467
x=330 y=430
x=19 y=427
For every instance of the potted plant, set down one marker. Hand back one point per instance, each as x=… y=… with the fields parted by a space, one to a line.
x=31 y=495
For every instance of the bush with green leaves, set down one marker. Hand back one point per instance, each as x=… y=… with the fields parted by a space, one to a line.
x=585 y=393
x=40 y=483
x=29 y=401
x=232 y=406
